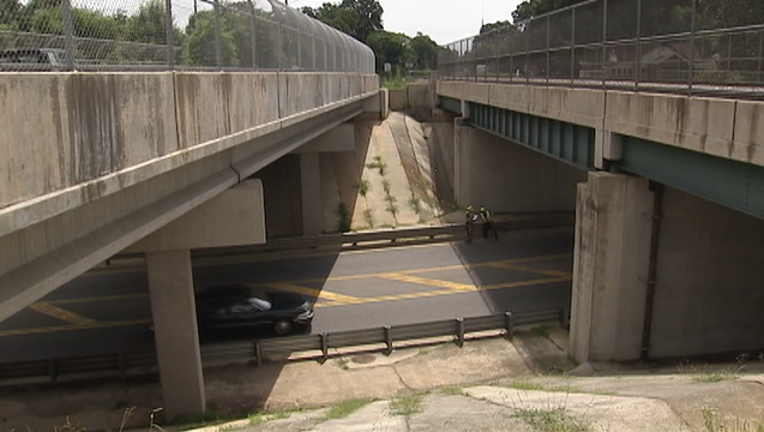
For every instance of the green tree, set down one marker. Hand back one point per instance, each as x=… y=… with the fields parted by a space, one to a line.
x=9 y=13
x=358 y=18
x=389 y=47
x=425 y=51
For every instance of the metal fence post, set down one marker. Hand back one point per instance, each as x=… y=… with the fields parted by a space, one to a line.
x=68 y=34
x=527 y=54
x=253 y=34
x=639 y=45
x=548 y=23
x=509 y=325
x=299 y=49
x=691 y=71
x=282 y=54
x=604 y=42
x=218 y=31
x=170 y=34
x=573 y=46
x=389 y=339
x=460 y=331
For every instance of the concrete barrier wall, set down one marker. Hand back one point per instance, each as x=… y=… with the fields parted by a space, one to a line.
x=710 y=274
x=721 y=127
x=102 y=132
x=399 y=99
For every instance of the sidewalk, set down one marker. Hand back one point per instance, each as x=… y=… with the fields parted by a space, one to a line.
x=527 y=384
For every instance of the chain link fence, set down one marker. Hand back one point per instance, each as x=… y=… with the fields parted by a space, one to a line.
x=713 y=46
x=63 y=35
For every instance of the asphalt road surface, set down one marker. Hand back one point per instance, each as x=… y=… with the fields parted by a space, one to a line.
x=108 y=312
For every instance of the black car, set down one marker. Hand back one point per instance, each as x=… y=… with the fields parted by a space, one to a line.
x=237 y=305
x=32 y=59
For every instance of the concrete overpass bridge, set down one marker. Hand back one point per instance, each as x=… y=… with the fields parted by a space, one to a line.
x=664 y=170
x=93 y=163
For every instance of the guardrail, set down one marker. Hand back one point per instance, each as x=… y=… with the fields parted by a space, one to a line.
x=382 y=339
x=378 y=238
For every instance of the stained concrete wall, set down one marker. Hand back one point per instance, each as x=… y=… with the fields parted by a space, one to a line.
x=399 y=99
x=94 y=134
x=720 y=127
x=507 y=177
x=709 y=295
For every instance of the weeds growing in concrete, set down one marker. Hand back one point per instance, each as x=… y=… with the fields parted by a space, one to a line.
x=345 y=408
x=262 y=417
x=386 y=187
x=368 y=215
x=525 y=385
x=378 y=164
x=713 y=423
x=416 y=204
x=551 y=420
x=452 y=391
x=709 y=374
x=406 y=405
x=363 y=187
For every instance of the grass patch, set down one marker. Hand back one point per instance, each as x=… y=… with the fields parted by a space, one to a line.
x=378 y=164
x=406 y=405
x=363 y=187
x=393 y=209
x=345 y=408
x=707 y=374
x=452 y=391
x=395 y=82
x=551 y=420
x=415 y=204
x=343 y=363
x=713 y=423
x=262 y=417
x=386 y=186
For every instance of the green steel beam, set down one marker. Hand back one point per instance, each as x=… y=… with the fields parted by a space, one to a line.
x=730 y=183
x=451 y=105
x=567 y=142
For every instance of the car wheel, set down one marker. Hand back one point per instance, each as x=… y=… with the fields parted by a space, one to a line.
x=282 y=326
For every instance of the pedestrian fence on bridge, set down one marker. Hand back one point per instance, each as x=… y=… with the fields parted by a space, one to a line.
x=103 y=35
x=320 y=346
x=690 y=46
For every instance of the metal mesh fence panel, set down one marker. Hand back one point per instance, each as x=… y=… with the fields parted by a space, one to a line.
x=165 y=34
x=691 y=45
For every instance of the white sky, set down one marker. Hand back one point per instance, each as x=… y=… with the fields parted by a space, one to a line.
x=443 y=20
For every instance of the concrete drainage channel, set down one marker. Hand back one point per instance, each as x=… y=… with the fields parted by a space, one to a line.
x=384 y=339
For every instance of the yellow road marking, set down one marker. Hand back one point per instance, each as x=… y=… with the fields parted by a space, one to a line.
x=97 y=299
x=52 y=329
x=63 y=315
x=557 y=273
x=454 y=286
x=323 y=294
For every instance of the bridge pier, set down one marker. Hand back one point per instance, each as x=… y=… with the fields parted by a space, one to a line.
x=173 y=310
x=310 y=187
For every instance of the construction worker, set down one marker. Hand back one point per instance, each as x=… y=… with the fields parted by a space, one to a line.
x=485 y=216
x=470 y=217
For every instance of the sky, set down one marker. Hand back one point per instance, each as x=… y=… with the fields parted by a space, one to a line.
x=443 y=20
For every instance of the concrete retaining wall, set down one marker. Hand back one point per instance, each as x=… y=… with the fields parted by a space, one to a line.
x=720 y=127
x=710 y=274
x=399 y=99
x=93 y=134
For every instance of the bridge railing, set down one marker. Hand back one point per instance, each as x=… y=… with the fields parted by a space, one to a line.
x=653 y=45
x=64 y=35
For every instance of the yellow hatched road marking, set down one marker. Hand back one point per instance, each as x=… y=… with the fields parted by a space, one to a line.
x=323 y=294
x=63 y=315
x=453 y=286
x=557 y=273
x=96 y=299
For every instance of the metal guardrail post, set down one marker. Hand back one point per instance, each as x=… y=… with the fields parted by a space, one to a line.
x=259 y=353
x=691 y=72
x=68 y=34
x=460 y=332
x=573 y=47
x=761 y=52
x=170 y=34
x=325 y=345
x=604 y=43
x=548 y=62
x=389 y=339
x=639 y=45
x=509 y=325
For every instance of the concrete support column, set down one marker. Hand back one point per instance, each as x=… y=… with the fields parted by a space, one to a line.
x=608 y=147
x=610 y=267
x=173 y=310
x=310 y=181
